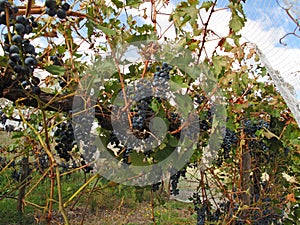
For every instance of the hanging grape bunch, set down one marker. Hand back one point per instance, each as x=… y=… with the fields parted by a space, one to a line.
x=64 y=137
x=22 y=55
x=17 y=46
x=52 y=9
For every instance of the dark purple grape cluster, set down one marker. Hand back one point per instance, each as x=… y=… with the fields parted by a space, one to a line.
x=155 y=187
x=250 y=127
x=66 y=142
x=42 y=161
x=204 y=125
x=12 y=10
x=206 y=214
x=22 y=55
x=82 y=131
x=52 y=9
x=64 y=137
x=174 y=180
x=200 y=208
x=229 y=140
x=162 y=76
x=258 y=145
x=139 y=118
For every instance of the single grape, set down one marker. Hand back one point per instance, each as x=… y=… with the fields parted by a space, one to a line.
x=61 y=13
x=18 y=68
x=14 y=49
x=34 y=24
x=51 y=4
x=30 y=61
x=28 y=29
x=36 y=90
x=29 y=48
x=20 y=28
x=11 y=63
x=15 y=57
x=51 y=11
x=35 y=81
x=65 y=6
x=21 y=19
x=62 y=84
x=17 y=38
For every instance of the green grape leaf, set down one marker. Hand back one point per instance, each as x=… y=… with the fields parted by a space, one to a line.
x=178 y=83
x=172 y=141
x=206 y=5
x=220 y=63
x=118 y=3
x=184 y=104
x=163 y=153
x=105 y=30
x=55 y=70
x=236 y=22
x=133 y=3
x=137 y=159
x=135 y=38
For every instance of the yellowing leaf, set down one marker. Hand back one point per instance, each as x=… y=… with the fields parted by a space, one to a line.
x=291 y=198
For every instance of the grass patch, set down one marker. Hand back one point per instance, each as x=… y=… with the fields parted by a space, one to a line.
x=105 y=205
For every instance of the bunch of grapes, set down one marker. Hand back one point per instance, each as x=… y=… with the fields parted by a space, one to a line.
x=162 y=75
x=158 y=86
x=139 y=118
x=206 y=214
x=229 y=140
x=82 y=130
x=251 y=127
x=65 y=143
x=42 y=161
x=155 y=187
x=65 y=140
x=174 y=180
x=12 y=10
x=52 y=9
x=22 y=55
x=200 y=208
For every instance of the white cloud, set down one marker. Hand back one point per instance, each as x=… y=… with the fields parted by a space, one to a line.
x=283 y=59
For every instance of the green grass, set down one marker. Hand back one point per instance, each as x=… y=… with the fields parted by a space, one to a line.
x=105 y=205
x=5 y=139
x=114 y=205
x=10 y=215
